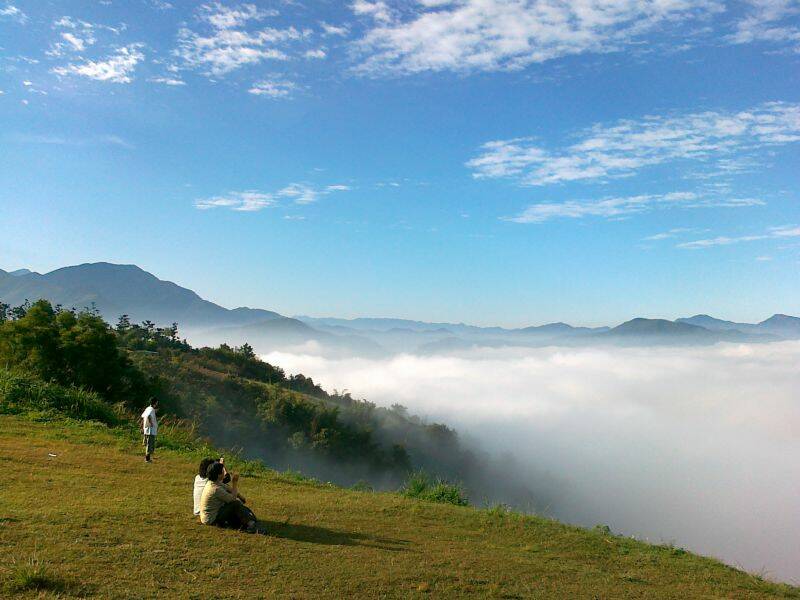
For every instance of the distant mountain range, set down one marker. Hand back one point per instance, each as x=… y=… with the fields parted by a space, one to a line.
x=127 y=289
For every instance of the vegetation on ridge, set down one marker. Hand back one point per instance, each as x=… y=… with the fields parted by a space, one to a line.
x=235 y=399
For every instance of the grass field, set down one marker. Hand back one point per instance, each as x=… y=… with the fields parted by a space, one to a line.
x=82 y=515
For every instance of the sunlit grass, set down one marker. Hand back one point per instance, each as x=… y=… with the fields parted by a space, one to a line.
x=83 y=515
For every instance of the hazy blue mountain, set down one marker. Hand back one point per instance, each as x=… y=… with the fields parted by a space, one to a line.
x=379 y=325
x=285 y=332
x=714 y=324
x=642 y=331
x=124 y=289
x=558 y=329
x=782 y=325
x=641 y=326
x=127 y=289
x=383 y=324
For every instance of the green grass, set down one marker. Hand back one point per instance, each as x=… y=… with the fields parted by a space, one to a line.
x=95 y=520
x=33 y=575
x=21 y=393
x=422 y=486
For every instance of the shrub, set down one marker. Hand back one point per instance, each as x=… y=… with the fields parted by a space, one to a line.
x=422 y=486
x=22 y=393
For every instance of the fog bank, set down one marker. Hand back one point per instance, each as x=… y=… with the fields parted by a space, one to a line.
x=695 y=446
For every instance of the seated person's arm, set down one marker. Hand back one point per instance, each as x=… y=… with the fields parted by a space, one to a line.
x=225 y=495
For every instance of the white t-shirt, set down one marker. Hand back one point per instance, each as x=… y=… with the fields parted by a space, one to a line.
x=150 y=428
x=199 y=484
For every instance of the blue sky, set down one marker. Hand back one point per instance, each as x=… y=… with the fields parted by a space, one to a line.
x=491 y=162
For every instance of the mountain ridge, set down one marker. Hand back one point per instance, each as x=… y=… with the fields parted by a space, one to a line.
x=117 y=289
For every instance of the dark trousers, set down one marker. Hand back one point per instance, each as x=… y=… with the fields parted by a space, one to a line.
x=234 y=515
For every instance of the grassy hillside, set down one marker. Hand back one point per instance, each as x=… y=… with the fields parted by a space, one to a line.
x=82 y=515
x=234 y=399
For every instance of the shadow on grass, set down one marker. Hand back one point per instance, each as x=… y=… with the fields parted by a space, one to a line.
x=331 y=537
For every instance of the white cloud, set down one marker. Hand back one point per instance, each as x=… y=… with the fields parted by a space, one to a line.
x=621 y=149
x=305 y=194
x=12 y=12
x=334 y=30
x=227 y=45
x=769 y=21
x=315 y=53
x=117 y=68
x=248 y=201
x=782 y=232
x=667 y=234
x=618 y=207
x=171 y=81
x=225 y=17
x=57 y=140
x=469 y=35
x=377 y=10
x=273 y=88
x=251 y=201
x=78 y=43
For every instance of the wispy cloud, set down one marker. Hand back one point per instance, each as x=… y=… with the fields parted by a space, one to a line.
x=473 y=35
x=171 y=81
x=618 y=207
x=334 y=30
x=622 y=149
x=782 y=232
x=227 y=44
x=769 y=21
x=274 y=88
x=12 y=12
x=252 y=200
x=116 y=68
x=59 y=140
x=664 y=235
x=248 y=201
x=302 y=193
x=75 y=35
x=376 y=9
x=318 y=53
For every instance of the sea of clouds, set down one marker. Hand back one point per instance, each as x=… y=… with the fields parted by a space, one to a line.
x=699 y=447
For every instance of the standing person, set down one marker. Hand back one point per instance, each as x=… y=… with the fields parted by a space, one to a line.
x=219 y=504
x=150 y=428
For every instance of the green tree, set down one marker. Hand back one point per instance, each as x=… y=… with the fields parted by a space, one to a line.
x=31 y=341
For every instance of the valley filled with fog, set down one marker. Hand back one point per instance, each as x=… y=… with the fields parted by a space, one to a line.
x=695 y=446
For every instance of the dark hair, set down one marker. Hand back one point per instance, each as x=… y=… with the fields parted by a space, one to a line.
x=204 y=464
x=153 y=401
x=214 y=471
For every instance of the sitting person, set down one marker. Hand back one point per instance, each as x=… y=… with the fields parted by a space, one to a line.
x=202 y=477
x=220 y=506
x=200 y=482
